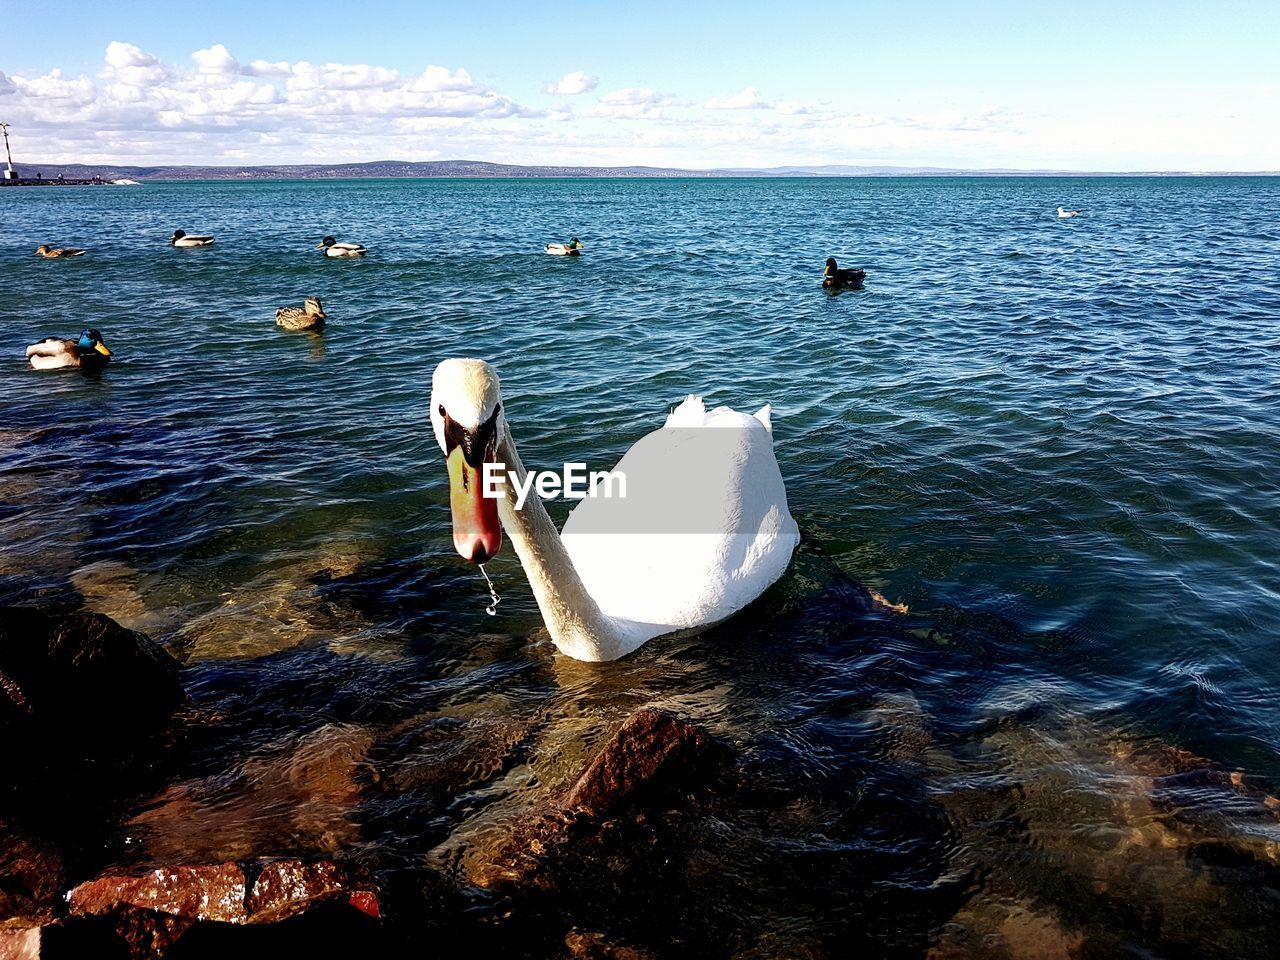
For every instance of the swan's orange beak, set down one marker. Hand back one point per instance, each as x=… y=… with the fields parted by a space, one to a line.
x=477 y=534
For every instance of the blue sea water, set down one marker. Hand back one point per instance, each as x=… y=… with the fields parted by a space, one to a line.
x=1057 y=442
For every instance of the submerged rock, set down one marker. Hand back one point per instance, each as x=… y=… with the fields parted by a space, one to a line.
x=299 y=801
x=1005 y=931
x=650 y=751
x=32 y=875
x=600 y=828
x=584 y=945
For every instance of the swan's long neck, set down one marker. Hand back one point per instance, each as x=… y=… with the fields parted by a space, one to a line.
x=575 y=621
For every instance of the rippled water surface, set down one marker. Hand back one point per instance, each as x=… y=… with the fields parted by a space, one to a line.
x=1055 y=441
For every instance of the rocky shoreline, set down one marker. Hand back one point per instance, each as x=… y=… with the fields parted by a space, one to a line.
x=96 y=712
x=123 y=835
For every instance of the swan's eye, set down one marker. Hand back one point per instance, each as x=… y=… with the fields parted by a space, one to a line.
x=441 y=409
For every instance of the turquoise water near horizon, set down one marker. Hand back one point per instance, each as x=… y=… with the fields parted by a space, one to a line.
x=1055 y=441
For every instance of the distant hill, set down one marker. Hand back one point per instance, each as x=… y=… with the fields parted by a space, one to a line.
x=481 y=169
x=346 y=171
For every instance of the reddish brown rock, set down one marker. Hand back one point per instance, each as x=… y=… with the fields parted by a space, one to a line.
x=214 y=892
x=152 y=911
x=286 y=888
x=20 y=944
x=149 y=934
x=652 y=749
x=583 y=945
x=31 y=880
x=298 y=802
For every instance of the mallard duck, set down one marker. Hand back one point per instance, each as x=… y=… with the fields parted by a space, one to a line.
x=53 y=353
x=309 y=316
x=332 y=248
x=180 y=238
x=833 y=278
x=571 y=249
x=44 y=250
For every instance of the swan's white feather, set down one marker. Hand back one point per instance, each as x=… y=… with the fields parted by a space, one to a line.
x=704 y=528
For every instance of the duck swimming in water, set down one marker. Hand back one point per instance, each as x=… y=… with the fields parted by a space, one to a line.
x=833 y=278
x=571 y=249
x=1067 y=214
x=309 y=316
x=54 y=353
x=44 y=250
x=181 y=238
x=332 y=248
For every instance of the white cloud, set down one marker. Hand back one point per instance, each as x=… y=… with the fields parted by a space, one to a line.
x=572 y=84
x=437 y=79
x=262 y=68
x=747 y=99
x=216 y=60
x=633 y=103
x=126 y=64
x=211 y=108
x=52 y=88
x=633 y=97
x=142 y=98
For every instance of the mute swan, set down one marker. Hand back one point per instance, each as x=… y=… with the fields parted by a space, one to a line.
x=54 y=353
x=703 y=528
x=1066 y=214
x=332 y=248
x=181 y=238
x=309 y=316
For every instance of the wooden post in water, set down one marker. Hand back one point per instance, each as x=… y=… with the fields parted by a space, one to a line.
x=9 y=172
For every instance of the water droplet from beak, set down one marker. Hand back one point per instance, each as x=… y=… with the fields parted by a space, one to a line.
x=492 y=608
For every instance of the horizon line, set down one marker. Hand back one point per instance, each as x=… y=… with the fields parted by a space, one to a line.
x=777 y=170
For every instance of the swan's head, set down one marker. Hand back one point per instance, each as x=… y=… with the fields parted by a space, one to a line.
x=466 y=415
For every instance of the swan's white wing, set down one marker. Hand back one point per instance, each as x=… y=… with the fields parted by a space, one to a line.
x=704 y=527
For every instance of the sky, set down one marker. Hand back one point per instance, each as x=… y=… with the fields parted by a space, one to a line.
x=1090 y=85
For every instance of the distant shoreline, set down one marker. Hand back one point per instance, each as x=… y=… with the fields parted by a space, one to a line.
x=28 y=182
x=81 y=174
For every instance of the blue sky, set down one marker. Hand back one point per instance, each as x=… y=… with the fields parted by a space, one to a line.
x=1086 y=86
